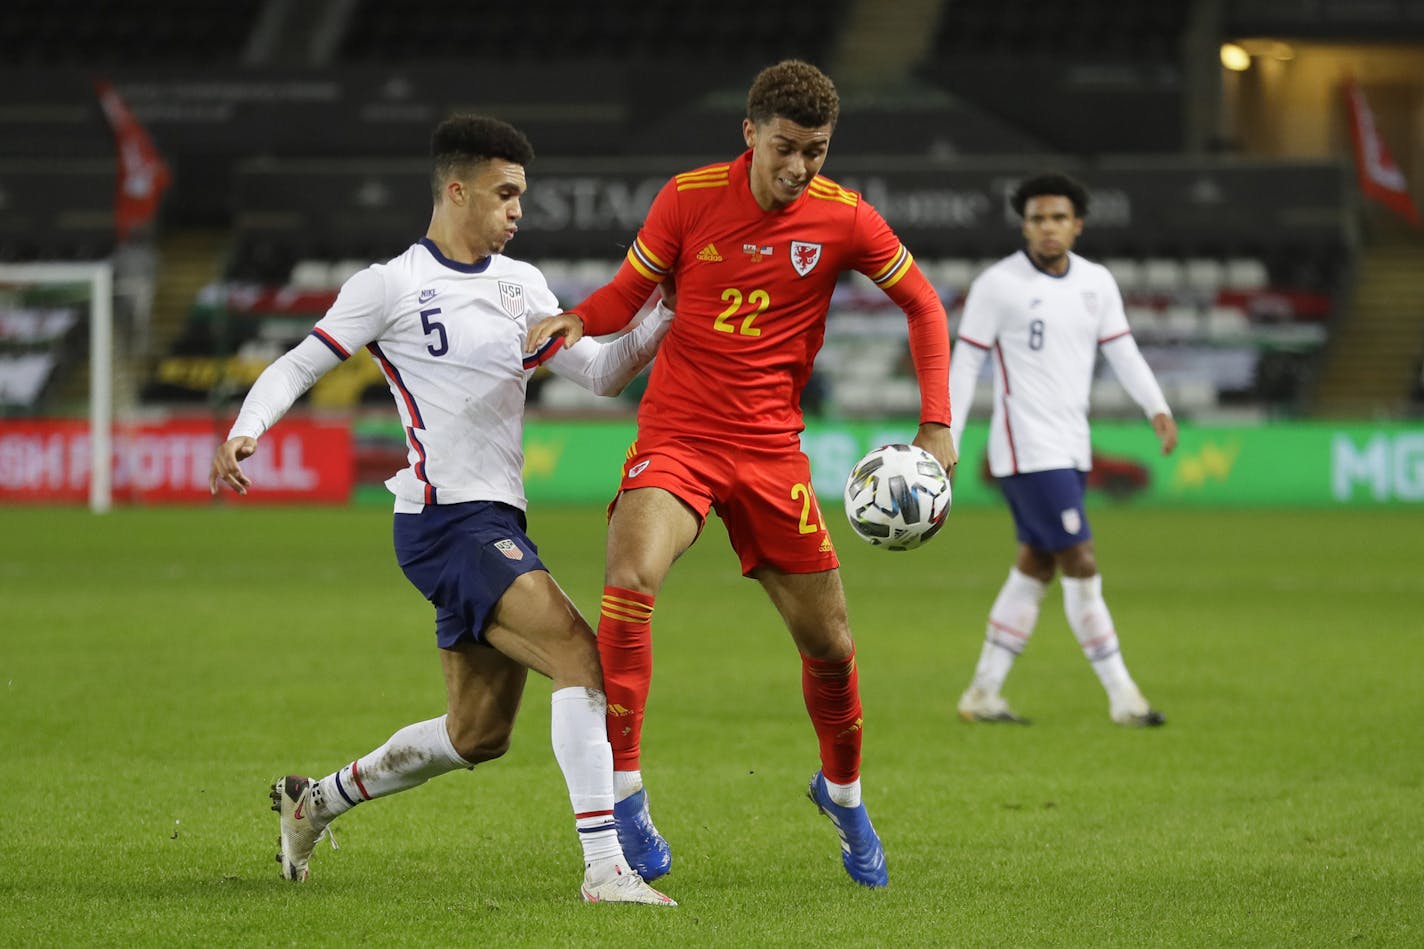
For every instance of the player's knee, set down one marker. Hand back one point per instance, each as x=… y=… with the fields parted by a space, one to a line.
x=640 y=577
x=482 y=744
x=828 y=639
x=1078 y=561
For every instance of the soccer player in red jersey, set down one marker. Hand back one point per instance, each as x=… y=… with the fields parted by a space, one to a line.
x=754 y=248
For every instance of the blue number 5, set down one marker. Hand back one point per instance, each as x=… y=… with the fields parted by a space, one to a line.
x=436 y=327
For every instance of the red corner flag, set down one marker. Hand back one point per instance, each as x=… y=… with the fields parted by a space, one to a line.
x=142 y=172
x=1380 y=177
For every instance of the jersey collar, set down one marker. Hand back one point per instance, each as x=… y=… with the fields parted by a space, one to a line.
x=1056 y=276
x=479 y=266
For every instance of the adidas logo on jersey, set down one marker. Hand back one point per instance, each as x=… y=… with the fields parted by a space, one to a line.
x=709 y=253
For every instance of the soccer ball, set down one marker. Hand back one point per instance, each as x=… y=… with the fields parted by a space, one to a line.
x=897 y=497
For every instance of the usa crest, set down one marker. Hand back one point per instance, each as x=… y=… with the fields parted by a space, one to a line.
x=1090 y=301
x=805 y=256
x=511 y=298
x=509 y=549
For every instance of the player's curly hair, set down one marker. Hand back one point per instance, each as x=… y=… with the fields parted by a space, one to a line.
x=795 y=90
x=465 y=139
x=1052 y=183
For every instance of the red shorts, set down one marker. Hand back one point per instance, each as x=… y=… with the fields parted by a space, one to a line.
x=763 y=496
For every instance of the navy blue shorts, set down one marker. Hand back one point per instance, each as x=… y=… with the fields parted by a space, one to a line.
x=463 y=557
x=1048 y=508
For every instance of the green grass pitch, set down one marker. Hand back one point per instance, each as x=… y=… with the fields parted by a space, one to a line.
x=158 y=668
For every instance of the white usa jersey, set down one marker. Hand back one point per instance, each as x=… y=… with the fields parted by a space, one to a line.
x=1042 y=332
x=449 y=338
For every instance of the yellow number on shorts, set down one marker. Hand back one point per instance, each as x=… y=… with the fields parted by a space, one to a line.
x=802 y=493
x=757 y=300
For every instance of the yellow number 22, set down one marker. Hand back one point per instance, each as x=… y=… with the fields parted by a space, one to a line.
x=757 y=301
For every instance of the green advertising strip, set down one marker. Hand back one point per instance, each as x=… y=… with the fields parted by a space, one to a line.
x=1281 y=464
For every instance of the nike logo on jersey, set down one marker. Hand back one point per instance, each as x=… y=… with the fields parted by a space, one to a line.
x=1034 y=302
x=426 y=296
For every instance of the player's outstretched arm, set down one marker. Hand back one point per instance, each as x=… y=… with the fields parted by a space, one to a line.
x=225 y=467
x=567 y=325
x=275 y=391
x=606 y=366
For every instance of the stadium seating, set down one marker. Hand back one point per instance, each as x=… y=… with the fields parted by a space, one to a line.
x=79 y=32
x=737 y=30
x=1209 y=297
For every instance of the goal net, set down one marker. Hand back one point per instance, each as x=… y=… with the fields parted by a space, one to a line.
x=45 y=311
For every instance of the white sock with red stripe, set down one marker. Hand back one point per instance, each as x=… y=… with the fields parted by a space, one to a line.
x=408 y=759
x=579 y=730
x=1011 y=622
x=1093 y=625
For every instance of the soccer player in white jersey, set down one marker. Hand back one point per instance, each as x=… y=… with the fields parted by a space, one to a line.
x=1043 y=314
x=447 y=323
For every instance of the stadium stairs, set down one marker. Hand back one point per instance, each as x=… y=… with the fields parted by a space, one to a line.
x=189 y=260
x=1375 y=352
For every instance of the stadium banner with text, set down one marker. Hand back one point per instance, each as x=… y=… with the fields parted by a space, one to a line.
x=593 y=208
x=46 y=461
x=1282 y=464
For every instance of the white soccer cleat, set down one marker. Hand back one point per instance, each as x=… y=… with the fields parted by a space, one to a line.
x=1129 y=708
x=291 y=798
x=979 y=705
x=616 y=883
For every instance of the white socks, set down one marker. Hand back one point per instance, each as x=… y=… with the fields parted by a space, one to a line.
x=409 y=758
x=1011 y=622
x=846 y=795
x=422 y=751
x=1092 y=623
x=626 y=784
x=580 y=737
x=1015 y=613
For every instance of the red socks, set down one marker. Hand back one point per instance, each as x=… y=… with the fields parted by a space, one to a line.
x=625 y=648
x=832 y=691
x=831 y=688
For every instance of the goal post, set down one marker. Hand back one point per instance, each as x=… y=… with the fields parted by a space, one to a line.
x=99 y=277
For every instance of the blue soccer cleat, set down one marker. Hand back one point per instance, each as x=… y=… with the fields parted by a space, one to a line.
x=644 y=848
x=861 y=852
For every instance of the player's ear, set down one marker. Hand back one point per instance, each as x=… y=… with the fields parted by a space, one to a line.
x=749 y=132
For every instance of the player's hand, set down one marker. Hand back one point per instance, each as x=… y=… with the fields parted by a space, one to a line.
x=669 y=291
x=936 y=439
x=1166 y=428
x=225 y=464
x=567 y=325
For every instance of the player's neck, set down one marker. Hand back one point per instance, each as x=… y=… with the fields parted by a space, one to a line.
x=452 y=246
x=1057 y=266
x=457 y=251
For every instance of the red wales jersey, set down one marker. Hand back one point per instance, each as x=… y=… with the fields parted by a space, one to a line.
x=753 y=289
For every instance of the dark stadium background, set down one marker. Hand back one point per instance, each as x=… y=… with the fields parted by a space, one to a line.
x=1264 y=288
